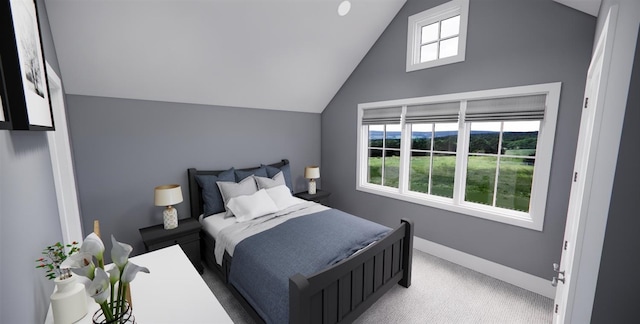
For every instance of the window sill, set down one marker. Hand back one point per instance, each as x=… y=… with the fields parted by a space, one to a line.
x=496 y=214
x=438 y=62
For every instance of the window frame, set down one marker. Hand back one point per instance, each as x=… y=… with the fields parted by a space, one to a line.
x=534 y=219
x=430 y=16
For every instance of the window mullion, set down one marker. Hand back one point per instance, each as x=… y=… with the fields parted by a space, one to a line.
x=450 y=37
x=405 y=153
x=433 y=134
x=495 y=181
x=363 y=163
x=461 y=156
x=439 y=39
x=384 y=154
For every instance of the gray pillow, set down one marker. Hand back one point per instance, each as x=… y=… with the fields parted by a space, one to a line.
x=229 y=190
x=260 y=172
x=286 y=171
x=211 y=197
x=265 y=183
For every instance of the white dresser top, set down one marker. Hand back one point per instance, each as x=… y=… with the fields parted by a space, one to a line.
x=173 y=292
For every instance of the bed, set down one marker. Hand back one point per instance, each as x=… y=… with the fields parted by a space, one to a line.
x=336 y=293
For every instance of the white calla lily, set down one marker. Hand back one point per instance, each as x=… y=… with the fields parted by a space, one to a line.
x=130 y=271
x=93 y=244
x=100 y=288
x=104 y=287
x=81 y=264
x=120 y=252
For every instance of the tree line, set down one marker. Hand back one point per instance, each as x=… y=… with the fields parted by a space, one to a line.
x=478 y=143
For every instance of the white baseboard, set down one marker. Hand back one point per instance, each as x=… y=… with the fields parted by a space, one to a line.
x=489 y=268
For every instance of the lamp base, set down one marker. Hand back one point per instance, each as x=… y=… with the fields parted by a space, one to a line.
x=312 y=187
x=170 y=217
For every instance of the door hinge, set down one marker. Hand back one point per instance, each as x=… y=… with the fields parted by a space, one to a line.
x=575 y=176
x=556 y=310
x=586 y=102
x=566 y=243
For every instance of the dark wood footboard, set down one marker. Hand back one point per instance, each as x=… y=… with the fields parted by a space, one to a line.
x=341 y=293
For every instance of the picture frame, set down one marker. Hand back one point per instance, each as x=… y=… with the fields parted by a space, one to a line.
x=5 y=120
x=26 y=86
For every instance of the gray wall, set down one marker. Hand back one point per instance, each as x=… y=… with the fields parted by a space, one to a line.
x=124 y=148
x=29 y=218
x=616 y=299
x=509 y=43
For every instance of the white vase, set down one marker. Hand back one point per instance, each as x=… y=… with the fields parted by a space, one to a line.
x=68 y=301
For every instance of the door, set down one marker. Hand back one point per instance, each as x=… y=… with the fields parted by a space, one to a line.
x=581 y=178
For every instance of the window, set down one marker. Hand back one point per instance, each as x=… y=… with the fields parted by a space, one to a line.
x=437 y=36
x=484 y=153
x=500 y=163
x=383 y=145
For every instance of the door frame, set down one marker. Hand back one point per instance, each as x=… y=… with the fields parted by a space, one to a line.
x=62 y=163
x=598 y=187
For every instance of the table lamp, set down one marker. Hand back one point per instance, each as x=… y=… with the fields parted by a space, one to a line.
x=312 y=173
x=169 y=195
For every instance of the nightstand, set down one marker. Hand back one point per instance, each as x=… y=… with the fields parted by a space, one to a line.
x=320 y=196
x=187 y=234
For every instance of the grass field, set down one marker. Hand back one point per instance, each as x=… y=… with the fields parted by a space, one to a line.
x=514 y=181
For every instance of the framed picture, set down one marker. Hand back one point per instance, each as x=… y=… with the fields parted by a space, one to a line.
x=23 y=65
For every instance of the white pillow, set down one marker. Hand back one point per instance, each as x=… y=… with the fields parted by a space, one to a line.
x=281 y=195
x=230 y=190
x=246 y=208
x=265 y=183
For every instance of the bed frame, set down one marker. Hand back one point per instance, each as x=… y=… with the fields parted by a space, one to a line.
x=338 y=294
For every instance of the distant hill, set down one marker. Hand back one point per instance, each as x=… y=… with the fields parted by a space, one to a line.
x=516 y=143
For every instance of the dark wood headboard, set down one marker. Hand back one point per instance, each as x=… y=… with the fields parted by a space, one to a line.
x=195 y=192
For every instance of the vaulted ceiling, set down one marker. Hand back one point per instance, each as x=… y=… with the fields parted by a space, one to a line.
x=271 y=54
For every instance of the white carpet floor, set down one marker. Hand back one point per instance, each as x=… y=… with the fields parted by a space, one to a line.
x=440 y=292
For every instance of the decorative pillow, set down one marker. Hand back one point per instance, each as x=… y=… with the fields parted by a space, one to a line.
x=248 y=207
x=213 y=202
x=276 y=180
x=259 y=172
x=230 y=190
x=282 y=197
x=286 y=171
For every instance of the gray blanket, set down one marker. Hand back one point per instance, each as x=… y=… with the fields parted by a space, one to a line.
x=263 y=263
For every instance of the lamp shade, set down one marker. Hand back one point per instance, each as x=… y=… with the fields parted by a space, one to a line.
x=168 y=195
x=312 y=172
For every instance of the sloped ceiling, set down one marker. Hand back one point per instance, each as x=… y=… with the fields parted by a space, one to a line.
x=271 y=54
x=587 y=6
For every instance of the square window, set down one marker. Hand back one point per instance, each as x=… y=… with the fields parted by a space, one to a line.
x=437 y=36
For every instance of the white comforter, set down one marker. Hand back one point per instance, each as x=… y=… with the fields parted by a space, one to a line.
x=231 y=235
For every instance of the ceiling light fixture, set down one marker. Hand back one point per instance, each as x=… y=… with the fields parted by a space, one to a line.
x=344 y=7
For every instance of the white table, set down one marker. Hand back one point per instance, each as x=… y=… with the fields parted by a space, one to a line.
x=173 y=292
